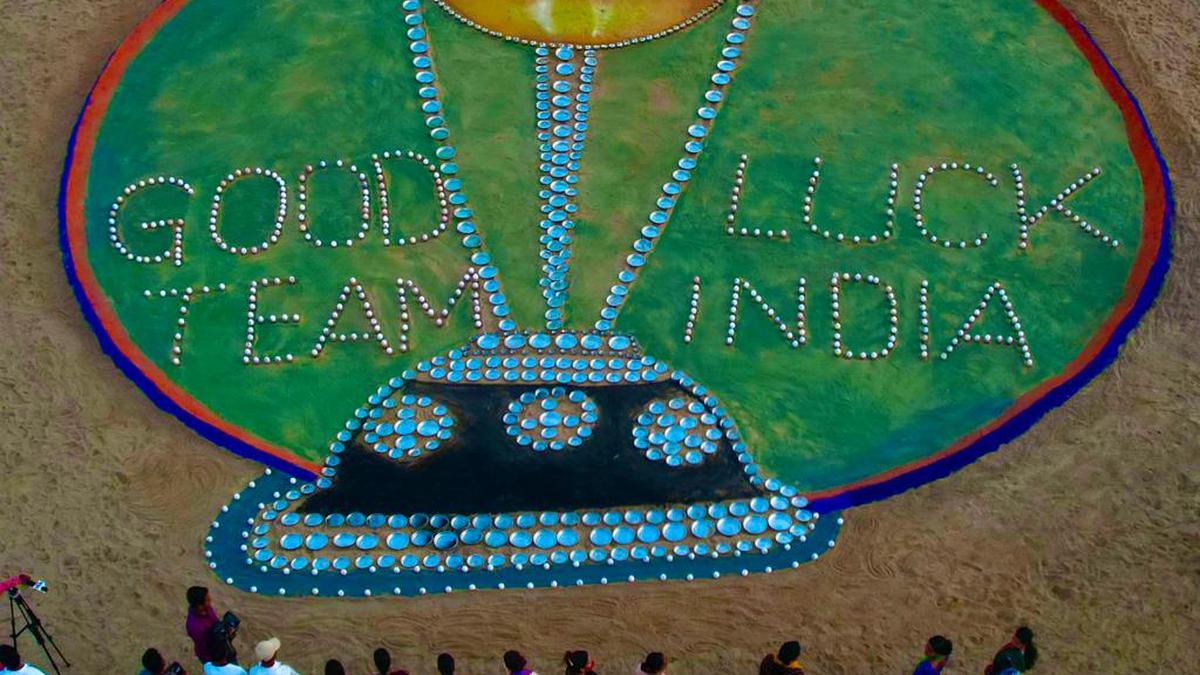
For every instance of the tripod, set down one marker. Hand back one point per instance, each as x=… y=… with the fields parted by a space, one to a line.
x=35 y=627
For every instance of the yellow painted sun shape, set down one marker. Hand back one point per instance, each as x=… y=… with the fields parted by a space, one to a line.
x=581 y=22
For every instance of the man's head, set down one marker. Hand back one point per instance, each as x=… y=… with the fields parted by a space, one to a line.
x=790 y=651
x=654 y=663
x=334 y=667
x=10 y=659
x=153 y=662
x=198 y=598
x=445 y=664
x=383 y=661
x=577 y=661
x=266 y=650
x=939 y=647
x=513 y=660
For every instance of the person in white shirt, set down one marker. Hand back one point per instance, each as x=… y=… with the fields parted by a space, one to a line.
x=219 y=650
x=267 y=652
x=11 y=663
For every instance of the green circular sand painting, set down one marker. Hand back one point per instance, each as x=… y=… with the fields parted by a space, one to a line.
x=882 y=233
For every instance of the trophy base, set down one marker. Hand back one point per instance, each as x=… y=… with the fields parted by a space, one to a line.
x=229 y=549
x=491 y=467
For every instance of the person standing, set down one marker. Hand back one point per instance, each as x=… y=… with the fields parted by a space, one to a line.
x=267 y=653
x=578 y=663
x=334 y=667
x=654 y=664
x=1019 y=654
x=784 y=662
x=153 y=663
x=1003 y=664
x=516 y=664
x=11 y=663
x=383 y=663
x=445 y=664
x=937 y=655
x=219 y=663
x=201 y=619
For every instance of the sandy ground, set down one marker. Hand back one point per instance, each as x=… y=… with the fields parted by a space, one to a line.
x=1087 y=528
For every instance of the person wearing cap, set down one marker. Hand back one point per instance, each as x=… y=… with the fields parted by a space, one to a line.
x=266 y=653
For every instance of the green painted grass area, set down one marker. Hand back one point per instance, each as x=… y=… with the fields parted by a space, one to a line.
x=276 y=85
x=645 y=97
x=490 y=102
x=863 y=85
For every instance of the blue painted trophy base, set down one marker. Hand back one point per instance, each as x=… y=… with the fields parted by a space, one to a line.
x=229 y=549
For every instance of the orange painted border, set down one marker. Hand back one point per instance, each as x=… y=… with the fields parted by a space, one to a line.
x=1140 y=288
x=74 y=191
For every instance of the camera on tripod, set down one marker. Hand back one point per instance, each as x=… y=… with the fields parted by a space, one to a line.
x=18 y=607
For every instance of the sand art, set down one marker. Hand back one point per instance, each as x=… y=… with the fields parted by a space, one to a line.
x=726 y=279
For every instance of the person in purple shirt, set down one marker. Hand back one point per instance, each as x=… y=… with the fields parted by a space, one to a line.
x=201 y=619
x=937 y=655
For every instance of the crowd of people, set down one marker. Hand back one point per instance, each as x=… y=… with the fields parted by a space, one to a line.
x=213 y=643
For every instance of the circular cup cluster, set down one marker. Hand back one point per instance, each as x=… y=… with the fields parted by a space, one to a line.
x=677 y=432
x=420 y=426
x=551 y=418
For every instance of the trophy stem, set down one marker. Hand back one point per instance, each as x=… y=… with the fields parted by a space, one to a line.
x=729 y=56
x=563 y=89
